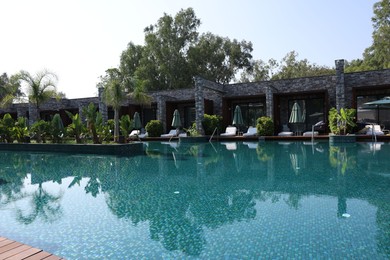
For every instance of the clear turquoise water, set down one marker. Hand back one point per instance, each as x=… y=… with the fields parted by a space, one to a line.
x=207 y=201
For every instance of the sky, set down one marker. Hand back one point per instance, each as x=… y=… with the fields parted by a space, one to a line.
x=79 y=40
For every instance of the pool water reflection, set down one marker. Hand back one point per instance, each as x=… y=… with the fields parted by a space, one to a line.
x=219 y=200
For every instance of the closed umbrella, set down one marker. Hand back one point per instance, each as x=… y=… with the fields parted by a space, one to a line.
x=296 y=117
x=296 y=114
x=176 y=122
x=237 y=117
x=137 y=121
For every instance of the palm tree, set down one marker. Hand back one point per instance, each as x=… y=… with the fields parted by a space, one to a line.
x=91 y=115
x=41 y=87
x=114 y=94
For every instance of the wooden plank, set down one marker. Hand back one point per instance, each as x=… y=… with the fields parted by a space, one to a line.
x=14 y=251
x=38 y=256
x=5 y=242
x=9 y=247
x=53 y=257
x=27 y=253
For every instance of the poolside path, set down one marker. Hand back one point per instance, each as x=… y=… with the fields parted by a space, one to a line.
x=12 y=250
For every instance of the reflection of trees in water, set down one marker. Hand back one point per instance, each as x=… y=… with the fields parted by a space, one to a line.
x=137 y=191
x=178 y=209
x=44 y=205
x=13 y=170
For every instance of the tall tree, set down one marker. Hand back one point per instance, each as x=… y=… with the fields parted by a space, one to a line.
x=114 y=94
x=377 y=56
x=219 y=59
x=10 y=89
x=40 y=87
x=174 y=53
x=289 y=67
x=164 y=62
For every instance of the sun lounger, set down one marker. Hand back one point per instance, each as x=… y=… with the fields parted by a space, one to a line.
x=252 y=131
x=171 y=133
x=230 y=131
x=310 y=133
x=374 y=130
x=134 y=133
x=286 y=131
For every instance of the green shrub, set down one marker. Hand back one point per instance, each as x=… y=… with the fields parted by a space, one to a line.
x=57 y=130
x=6 y=126
x=265 y=126
x=341 y=123
x=40 y=130
x=20 y=130
x=154 y=128
x=210 y=122
x=126 y=125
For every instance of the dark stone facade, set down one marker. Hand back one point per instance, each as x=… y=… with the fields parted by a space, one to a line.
x=337 y=90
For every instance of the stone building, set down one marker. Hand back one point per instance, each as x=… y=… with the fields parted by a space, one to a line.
x=315 y=95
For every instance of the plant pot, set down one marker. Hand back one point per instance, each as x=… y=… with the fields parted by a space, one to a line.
x=334 y=139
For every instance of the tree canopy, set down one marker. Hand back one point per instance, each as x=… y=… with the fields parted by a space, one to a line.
x=289 y=67
x=376 y=56
x=10 y=89
x=174 y=53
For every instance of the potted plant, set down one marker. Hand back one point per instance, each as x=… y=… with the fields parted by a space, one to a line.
x=341 y=124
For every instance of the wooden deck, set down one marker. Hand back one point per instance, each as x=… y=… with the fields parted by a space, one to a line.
x=12 y=250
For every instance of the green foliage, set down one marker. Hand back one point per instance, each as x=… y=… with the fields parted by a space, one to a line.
x=76 y=128
x=41 y=86
x=289 y=67
x=10 y=89
x=219 y=58
x=105 y=131
x=20 y=130
x=154 y=128
x=93 y=121
x=174 y=53
x=192 y=130
x=341 y=123
x=210 y=122
x=265 y=126
x=114 y=94
x=57 y=130
x=376 y=56
x=40 y=130
x=6 y=126
x=126 y=125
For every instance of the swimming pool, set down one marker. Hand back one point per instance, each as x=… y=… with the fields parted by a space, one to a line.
x=213 y=200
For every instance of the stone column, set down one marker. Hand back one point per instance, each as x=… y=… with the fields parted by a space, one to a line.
x=102 y=106
x=32 y=113
x=161 y=111
x=269 y=99
x=340 y=86
x=199 y=104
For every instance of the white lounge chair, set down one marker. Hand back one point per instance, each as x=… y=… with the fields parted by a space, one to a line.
x=374 y=130
x=310 y=133
x=230 y=131
x=286 y=131
x=134 y=133
x=252 y=131
x=144 y=135
x=171 y=133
